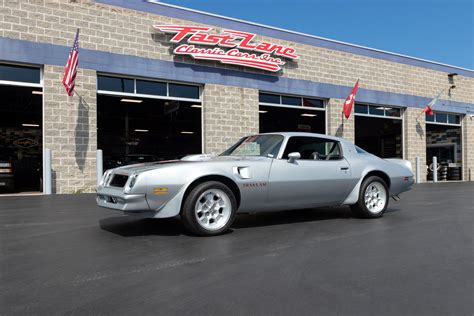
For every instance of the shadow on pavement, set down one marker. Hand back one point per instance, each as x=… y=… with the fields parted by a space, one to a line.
x=131 y=227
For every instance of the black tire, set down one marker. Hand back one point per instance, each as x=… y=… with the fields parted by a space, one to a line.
x=188 y=214
x=360 y=209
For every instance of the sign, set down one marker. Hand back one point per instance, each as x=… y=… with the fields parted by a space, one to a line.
x=228 y=47
x=25 y=143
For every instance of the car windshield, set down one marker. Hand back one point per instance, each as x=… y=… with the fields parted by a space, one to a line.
x=257 y=145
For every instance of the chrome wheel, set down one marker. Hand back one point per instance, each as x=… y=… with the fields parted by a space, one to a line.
x=375 y=197
x=213 y=209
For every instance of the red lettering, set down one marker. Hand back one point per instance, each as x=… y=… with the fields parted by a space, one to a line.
x=181 y=31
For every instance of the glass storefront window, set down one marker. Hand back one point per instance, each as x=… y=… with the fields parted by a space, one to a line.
x=453 y=119
x=151 y=87
x=444 y=118
x=20 y=73
x=430 y=118
x=361 y=108
x=290 y=100
x=115 y=84
x=441 y=117
x=376 y=110
x=183 y=91
x=147 y=87
x=314 y=103
x=392 y=112
x=269 y=98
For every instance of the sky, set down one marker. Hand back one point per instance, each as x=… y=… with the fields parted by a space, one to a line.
x=437 y=30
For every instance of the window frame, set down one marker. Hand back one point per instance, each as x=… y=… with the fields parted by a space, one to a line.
x=299 y=107
x=384 y=116
x=447 y=119
x=283 y=148
x=23 y=83
x=149 y=96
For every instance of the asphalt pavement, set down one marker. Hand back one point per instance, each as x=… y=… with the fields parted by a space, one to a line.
x=63 y=255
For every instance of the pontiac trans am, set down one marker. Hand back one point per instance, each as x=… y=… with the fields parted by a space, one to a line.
x=265 y=172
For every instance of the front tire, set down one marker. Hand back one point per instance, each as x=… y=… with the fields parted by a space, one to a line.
x=209 y=209
x=373 y=198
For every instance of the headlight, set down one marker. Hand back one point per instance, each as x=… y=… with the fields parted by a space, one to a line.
x=105 y=177
x=130 y=183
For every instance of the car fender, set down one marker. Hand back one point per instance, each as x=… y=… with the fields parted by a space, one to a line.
x=353 y=197
x=173 y=206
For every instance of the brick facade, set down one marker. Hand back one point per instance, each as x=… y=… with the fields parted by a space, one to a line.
x=70 y=130
x=229 y=112
x=468 y=148
x=414 y=142
x=337 y=124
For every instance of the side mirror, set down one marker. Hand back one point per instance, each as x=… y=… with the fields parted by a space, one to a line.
x=293 y=156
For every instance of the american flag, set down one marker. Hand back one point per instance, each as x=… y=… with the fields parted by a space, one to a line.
x=70 y=70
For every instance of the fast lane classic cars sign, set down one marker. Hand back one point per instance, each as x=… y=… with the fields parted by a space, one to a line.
x=229 y=47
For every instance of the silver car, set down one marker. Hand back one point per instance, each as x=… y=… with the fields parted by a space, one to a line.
x=260 y=173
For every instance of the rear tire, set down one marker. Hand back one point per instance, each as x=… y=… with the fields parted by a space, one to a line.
x=209 y=209
x=373 y=198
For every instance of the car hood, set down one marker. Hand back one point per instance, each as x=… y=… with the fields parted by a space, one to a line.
x=194 y=159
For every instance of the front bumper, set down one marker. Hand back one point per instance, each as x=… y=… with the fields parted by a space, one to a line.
x=114 y=198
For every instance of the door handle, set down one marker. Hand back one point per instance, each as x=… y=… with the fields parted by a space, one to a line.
x=344 y=168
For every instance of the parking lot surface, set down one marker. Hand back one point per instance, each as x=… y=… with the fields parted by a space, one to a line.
x=62 y=254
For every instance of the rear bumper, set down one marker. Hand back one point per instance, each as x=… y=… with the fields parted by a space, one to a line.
x=115 y=199
x=401 y=184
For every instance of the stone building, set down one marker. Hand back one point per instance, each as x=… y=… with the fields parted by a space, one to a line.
x=143 y=93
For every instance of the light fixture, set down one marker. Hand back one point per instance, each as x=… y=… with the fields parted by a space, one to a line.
x=36 y=92
x=308 y=115
x=131 y=100
x=260 y=111
x=141 y=130
x=186 y=132
x=379 y=108
x=30 y=125
x=196 y=106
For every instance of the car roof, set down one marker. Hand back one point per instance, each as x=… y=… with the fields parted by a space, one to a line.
x=305 y=134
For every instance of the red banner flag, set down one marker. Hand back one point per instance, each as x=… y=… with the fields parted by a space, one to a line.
x=70 y=70
x=349 y=103
x=429 y=108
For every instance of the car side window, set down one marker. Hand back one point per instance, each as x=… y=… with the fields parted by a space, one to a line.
x=313 y=148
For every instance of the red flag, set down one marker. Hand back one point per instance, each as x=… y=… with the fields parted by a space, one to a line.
x=70 y=70
x=429 y=108
x=349 y=103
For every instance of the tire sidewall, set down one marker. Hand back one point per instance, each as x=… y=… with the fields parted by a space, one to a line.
x=187 y=211
x=366 y=212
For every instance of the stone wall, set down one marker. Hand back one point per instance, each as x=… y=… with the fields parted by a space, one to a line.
x=414 y=143
x=229 y=113
x=70 y=130
x=468 y=148
x=337 y=124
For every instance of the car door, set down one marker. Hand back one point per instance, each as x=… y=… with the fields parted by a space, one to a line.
x=320 y=177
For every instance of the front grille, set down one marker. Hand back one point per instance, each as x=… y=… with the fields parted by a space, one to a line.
x=118 y=180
